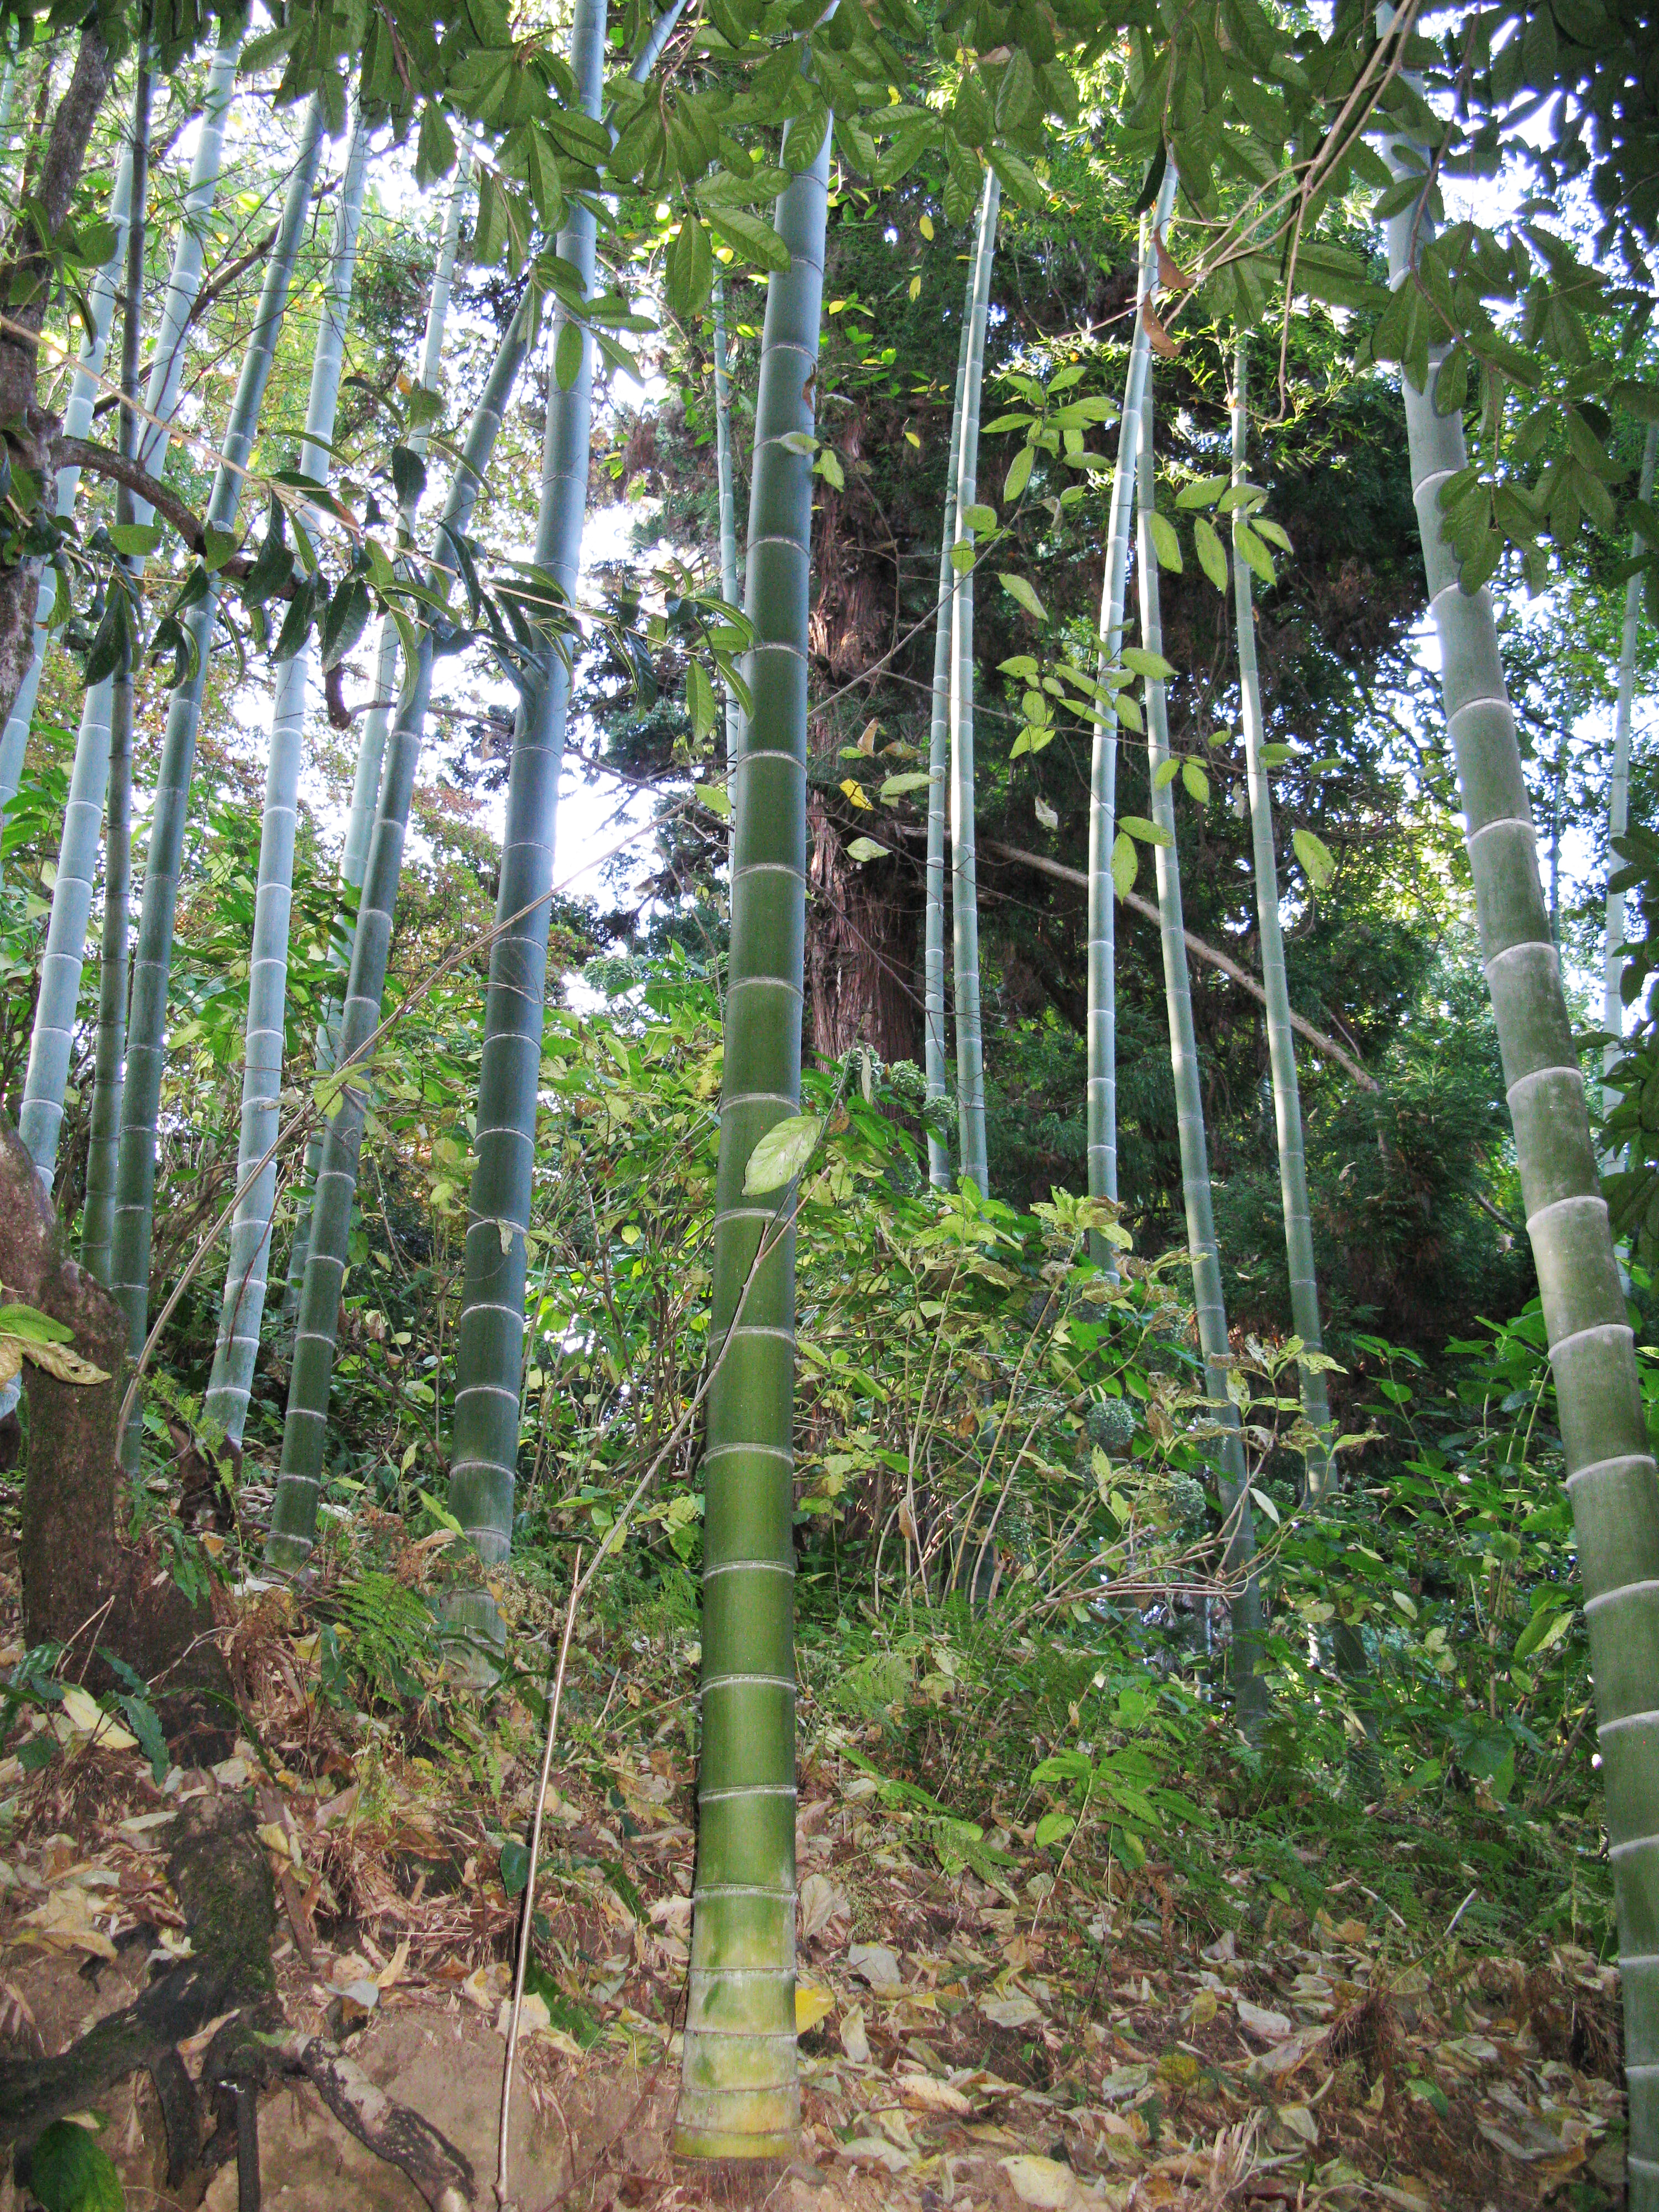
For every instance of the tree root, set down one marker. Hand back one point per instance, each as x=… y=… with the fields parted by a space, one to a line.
x=219 y=1869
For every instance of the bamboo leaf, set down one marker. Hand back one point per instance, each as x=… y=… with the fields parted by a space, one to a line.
x=567 y=355
x=781 y=1154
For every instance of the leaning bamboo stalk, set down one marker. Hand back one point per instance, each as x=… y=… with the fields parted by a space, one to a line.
x=1207 y=1297
x=1281 y=1045
x=1612 y=944
x=1611 y=1476
x=964 y=873
x=1102 y=763
x=243 y=1305
x=293 y=1513
x=152 y=959
x=935 y=1068
x=740 y=2094
x=51 y=1042
x=98 y=1213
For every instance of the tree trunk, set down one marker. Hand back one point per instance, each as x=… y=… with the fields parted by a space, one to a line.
x=860 y=947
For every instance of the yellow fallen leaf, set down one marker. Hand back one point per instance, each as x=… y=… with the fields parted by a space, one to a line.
x=88 y=1717
x=394 y=1966
x=1044 y=2182
x=65 y=1922
x=812 y=2006
x=275 y=1838
x=932 y=2095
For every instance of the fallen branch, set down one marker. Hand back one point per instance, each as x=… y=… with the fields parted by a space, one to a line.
x=439 y=2168
x=1200 y=949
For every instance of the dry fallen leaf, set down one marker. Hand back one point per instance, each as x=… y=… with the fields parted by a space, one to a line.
x=877 y=1964
x=1015 y=2010
x=1162 y=342
x=1271 y=2027
x=1044 y=2182
x=854 y=2041
x=821 y=1902
x=932 y=2095
x=88 y=1717
x=812 y=2006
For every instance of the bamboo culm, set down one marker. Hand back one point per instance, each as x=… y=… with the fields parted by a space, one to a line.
x=739 y=2093
x=1189 y=1118
x=153 y=960
x=40 y=1118
x=243 y=1305
x=371 y=750
x=965 y=871
x=1281 y=1042
x=98 y=1214
x=293 y=1515
x=1612 y=944
x=731 y=575
x=1102 y=763
x=935 y=1065
x=1610 y=1473
x=490 y=1334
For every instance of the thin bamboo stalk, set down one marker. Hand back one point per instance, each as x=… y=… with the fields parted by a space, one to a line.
x=52 y=1040
x=964 y=872
x=243 y=1305
x=1102 y=763
x=731 y=574
x=1611 y=1476
x=1281 y=1042
x=293 y=1515
x=153 y=960
x=99 y=1212
x=740 y=2094
x=1613 y=943
x=939 y=789
x=1189 y=1113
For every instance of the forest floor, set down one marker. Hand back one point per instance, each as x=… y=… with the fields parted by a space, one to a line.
x=1067 y=2038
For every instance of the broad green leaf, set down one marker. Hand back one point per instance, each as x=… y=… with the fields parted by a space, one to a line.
x=32 y=1326
x=747 y=234
x=897 y=786
x=1019 y=474
x=1052 y=1827
x=1543 y=1629
x=828 y=466
x=865 y=848
x=1203 y=493
x=979 y=517
x=1314 y=857
x=781 y=1154
x=1019 y=589
x=1272 y=531
x=1153 y=665
x=700 y=697
x=70 y=2170
x=567 y=355
x=1125 y=863
x=1211 y=558
x=1165 y=543
x=138 y=537
x=1197 y=783
x=1148 y=833
x=217 y=545
x=515 y=1866
x=1165 y=774
x=1250 y=548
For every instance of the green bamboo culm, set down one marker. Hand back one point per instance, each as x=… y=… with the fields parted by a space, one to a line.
x=1102 y=763
x=40 y=1118
x=98 y=1213
x=1612 y=944
x=293 y=1513
x=935 y=1066
x=370 y=750
x=242 y=1307
x=101 y=294
x=1611 y=1477
x=153 y=960
x=489 y=1334
x=1281 y=1042
x=731 y=575
x=964 y=872
x=740 y=2093
x=1247 y=1683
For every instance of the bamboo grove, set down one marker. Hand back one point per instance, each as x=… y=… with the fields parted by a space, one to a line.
x=242 y=525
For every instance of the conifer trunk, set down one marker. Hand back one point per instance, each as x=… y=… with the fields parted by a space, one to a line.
x=153 y=960
x=1611 y=1477
x=1613 y=944
x=739 y=2095
x=1189 y=1113
x=52 y=1040
x=243 y=1305
x=965 y=871
x=1103 y=765
x=935 y=1065
x=294 y=1516
x=1281 y=1042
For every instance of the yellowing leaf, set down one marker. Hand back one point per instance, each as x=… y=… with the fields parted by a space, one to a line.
x=1044 y=2182
x=87 y=1718
x=812 y=2006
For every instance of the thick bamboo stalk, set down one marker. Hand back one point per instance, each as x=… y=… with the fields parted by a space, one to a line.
x=731 y=575
x=1190 y=1115
x=371 y=750
x=1102 y=764
x=489 y=1334
x=965 y=871
x=935 y=1068
x=1612 y=944
x=293 y=1515
x=243 y=1305
x=1611 y=1476
x=153 y=960
x=51 y=1042
x=1281 y=1044
x=739 y=2095
x=98 y=1213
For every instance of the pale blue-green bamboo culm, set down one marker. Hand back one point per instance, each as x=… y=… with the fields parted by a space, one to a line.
x=153 y=960
x=242 y=1307
x=935 y=1065
x=1189 y=1120
x=370 y=750
x=1102 y=763
x=965 y=871
x=51 y=1042
x=293 y=1515
x=739 y=2092
x=731 y=574
x=1612 y=944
